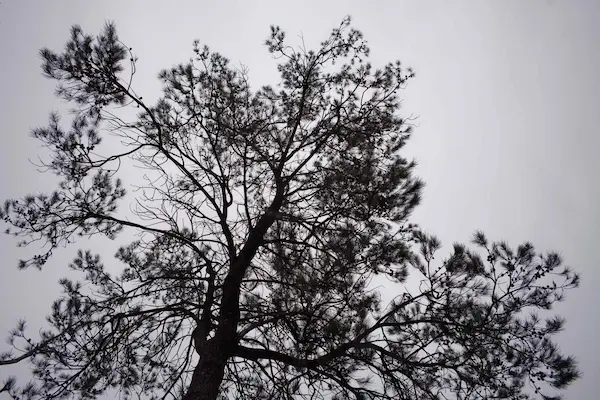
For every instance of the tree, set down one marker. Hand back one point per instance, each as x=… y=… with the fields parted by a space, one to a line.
x=263 y=218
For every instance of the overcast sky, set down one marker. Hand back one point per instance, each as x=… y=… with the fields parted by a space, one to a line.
x=506 y=94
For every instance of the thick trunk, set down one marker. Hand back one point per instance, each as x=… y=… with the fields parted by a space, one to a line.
x=208 y=374
x=215 y=352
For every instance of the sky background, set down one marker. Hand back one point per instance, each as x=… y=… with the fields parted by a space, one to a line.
x=506 y=95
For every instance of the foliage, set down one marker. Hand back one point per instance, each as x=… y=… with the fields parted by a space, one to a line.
x=264 y=217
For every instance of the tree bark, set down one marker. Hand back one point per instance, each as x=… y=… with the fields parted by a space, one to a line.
x=214 y=353
x=208 y=373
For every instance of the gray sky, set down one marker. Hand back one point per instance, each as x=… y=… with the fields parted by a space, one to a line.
x=506 y=94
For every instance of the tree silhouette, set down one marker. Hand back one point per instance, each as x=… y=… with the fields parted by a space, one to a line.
x=263 y=218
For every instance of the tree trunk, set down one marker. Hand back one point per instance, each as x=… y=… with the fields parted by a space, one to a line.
x=214 y=353
x=208 y=374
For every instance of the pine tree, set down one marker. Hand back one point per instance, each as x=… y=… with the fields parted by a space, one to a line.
x=264 y=217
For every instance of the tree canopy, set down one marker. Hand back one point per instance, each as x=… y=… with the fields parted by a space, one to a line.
x=264 y=217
